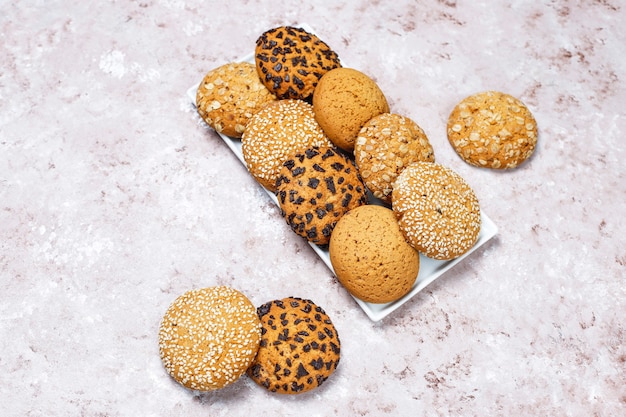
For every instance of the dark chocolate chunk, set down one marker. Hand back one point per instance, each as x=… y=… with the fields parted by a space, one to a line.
x=301 y=371
x=346 y=200
x=313 y=183
x=264 y=309
x=317 y=364
x=318 y=168
x=330 y=184
x=337 y=166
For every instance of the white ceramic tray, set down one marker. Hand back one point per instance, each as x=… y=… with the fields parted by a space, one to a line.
x=430 y=269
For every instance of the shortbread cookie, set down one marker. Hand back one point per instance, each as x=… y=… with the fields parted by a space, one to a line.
x=492 y=130
x=299 y=348
x=436 y=209
x=278 y=131
x=386 y=144
x=343 y=101
x=229 y=95
x=315 y=188
x=209 y=337
x=370 y=255
x=290 y=61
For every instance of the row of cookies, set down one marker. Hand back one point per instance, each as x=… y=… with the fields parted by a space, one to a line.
x=210 y=337
x=320 y=158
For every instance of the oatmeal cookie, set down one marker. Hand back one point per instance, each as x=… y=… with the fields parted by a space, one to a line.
x=492 y=130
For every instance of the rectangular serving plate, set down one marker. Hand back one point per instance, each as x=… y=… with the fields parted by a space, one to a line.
x=430 y=269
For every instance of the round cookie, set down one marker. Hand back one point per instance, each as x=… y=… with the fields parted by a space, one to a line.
x=343 y=101
x=386 y=144
x=492 y=130
x=315 y=188
x=208 y=337
x=370 y=256
x=299 y=348
x=436 y=209
x=229 y=95
x=276 y=132
x=290 y=61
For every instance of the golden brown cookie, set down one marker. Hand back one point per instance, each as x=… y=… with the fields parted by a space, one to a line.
x=370 y=256
x=208 y=337
x=385 y=145
x=492 y=130
x=290 y=61
x=315 y=188
x=436 y=209
x=276 y=132
x=343 y=101
x=229 y=95
x=299 y=348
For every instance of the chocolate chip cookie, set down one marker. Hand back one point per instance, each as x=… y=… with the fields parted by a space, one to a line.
x=290 y=61
x=299 y=346
x=315 y=188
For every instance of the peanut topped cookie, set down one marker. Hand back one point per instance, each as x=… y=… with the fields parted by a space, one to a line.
x=386 y=144
x=492 y=130
x=315 y=188
x=436 y=209
x=229 y=95
x=290 y=61
x=299 y=348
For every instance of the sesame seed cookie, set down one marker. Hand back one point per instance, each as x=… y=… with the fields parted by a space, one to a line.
x=276 y=132
x=315 y=188
x=208 y=337
x=229 y=95
x=343 y=101
x=492 y=130
x=386 y=144
x=436 y=209
x=290 y=61
x=299 y=349
x=370 y=256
